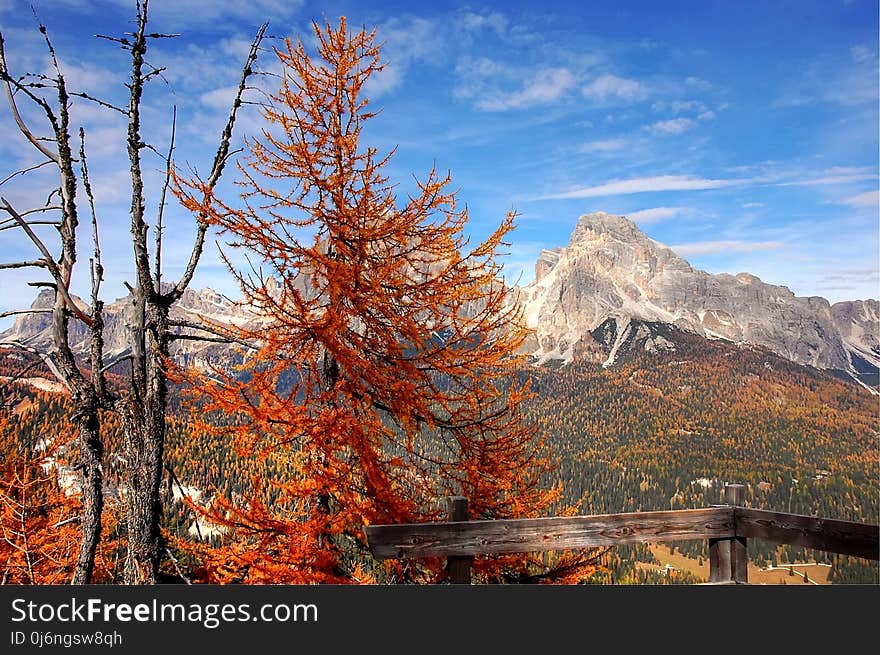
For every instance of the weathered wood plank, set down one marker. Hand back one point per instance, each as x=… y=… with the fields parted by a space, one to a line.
x=735 y=494
x=719 y=560
x=553 y=533
x=845 y=537
x=459 y=568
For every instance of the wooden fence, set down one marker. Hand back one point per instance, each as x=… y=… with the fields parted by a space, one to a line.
x=727 y=527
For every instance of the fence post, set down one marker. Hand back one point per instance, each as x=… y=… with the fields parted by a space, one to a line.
x=459 y=568
x=728 y=561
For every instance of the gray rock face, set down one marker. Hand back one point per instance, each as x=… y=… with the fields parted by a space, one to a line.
x=35 y=329
x=857 y=322
x=610 y=269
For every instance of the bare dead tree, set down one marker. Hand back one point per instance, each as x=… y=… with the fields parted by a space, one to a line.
x=87 y=392
x=143 y=405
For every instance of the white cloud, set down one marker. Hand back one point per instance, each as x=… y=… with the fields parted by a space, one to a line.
x=654 y=214
x=866 y=199
x=405 y=41
x=836 y=175
x=545 y=86
x=646 y=184
x=611 y=87
x=78 y=78
x=712 y=247
x=697 y=83
x=603 y=145
x=411 y=39
x=671 y=126
x=219 y=99
x=496 y=21
x=752 y=205
x=679 y=106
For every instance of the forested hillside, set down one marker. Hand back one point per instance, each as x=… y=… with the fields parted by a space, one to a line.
x=660 y=431
x=666 y=430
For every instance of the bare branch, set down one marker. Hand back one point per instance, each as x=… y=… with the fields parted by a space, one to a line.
x=134 y=144
x=72 y=519
x=225 y=336
x=157 y=273
x=25 y=170
x=35 y=210
x=86 y=96
x=39 y=263
x=196 y=337
x=177 y=565
x=8 y=81
x=25 y=311
x=95 y=267
x=125 y=43
x=61 y=283
x=116 y=360
x=155 y=72
x=23 y=224
x=47 y=359
x=9 y=225
x=217 y=168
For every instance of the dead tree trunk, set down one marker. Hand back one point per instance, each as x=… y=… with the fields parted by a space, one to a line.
x=144 y=409
x=87 y=394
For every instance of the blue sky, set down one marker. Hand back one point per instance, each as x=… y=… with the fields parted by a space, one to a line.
x=743 y=134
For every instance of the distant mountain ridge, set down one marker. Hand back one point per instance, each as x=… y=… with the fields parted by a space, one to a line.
x=610 y=289
x=612 y=273
x=35 y=330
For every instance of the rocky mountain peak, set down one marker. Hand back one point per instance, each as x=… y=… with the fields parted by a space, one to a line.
x=600 y=226
x=611 y=270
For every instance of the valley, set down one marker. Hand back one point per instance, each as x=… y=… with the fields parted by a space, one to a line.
x=654 y=383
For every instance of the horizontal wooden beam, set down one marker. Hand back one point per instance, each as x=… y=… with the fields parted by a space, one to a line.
x=845 y=537
x=410 y=541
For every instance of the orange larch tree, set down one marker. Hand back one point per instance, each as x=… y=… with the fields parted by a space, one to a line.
x=385 y=367
x=39 y=517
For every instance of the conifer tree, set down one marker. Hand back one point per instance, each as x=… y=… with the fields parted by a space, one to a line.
x=385 y=368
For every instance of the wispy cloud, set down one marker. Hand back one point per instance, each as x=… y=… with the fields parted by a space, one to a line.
x=645 y=185
x=834 y=80
x=712 y=247
x=484 y=80
x=474 y=22
x=654 y=214
x=407 y=40
x=752 y=205
x=603 y=145
x=866 y=199
x=837 y=175
x=611 y=87
x=698 y=83
x=671 y=126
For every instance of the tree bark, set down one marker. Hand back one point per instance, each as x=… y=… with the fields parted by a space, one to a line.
x=91 y=456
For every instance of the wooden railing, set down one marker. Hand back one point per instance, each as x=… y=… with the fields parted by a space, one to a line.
x=727 y=527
